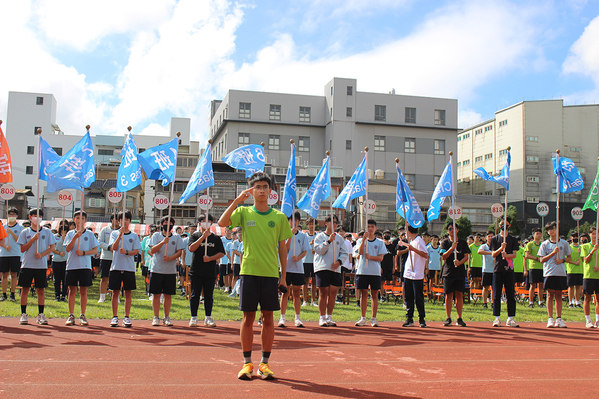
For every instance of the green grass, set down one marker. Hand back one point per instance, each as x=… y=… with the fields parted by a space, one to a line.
x=226 y=308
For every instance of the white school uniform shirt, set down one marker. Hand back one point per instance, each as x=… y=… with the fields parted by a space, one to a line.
x=130 y=242
x=415 y=264
x=46 y=239
x=87 y=241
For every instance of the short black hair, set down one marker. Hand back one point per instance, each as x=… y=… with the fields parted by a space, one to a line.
x=297 y=215
x=413 y=230
x=203 y=217
x=493 y=233
x=335 y=219
x=435 y=236
x=35 y=211
x=127 y=216
x=13 y=210
x=165 y=219
x=80 y=213
x=338 y=229
x=574 y=234
x=112 y=216
x=371 y=221
x=508 y=218
x=537 y=230
x=259 y=176
x=550 y=226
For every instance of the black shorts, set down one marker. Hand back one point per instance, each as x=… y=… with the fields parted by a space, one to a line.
x=105 y=267
x=590 y=286
x=27 y=276
x=180 y=270
x=236 y=269
x=117 y=277
x=387 y=274
x=518 y=277
x=144 y=271
x=574 y=279
x=296 y=279
x=476 y=272
x=431 y=274
x=163 y=284
x=308 y=270
x=224 y=269
x=326 y=278
x=363 y=281
x=559 y=283
x=535 y=276
x=254 y=290
x=79 y=278
x=454 y=284
x=487 y=280
x=10 y=264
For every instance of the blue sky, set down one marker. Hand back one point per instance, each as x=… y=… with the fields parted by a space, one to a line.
x=112 y=63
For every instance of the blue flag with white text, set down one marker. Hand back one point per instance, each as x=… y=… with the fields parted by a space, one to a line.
x=570 y=178
x=319 y=190
x=75 y=169
x=129 y=174
x=48 y=157
x=504 y=176
x=290 y=192
x=202 y=177
x=356 y=187
x=405 y=203
x=249 y=158
x=160 y=162
x=443 y=189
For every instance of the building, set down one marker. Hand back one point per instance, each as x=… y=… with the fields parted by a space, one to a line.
x=534 y=130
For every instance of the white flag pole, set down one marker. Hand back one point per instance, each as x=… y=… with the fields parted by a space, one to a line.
x=405 y=220
x=39 y=166
x=292 y=204
x=124 y=196
x=366 y=202
x=557 y=193
x=170 y=203
x=331 y=203
x=454 y=238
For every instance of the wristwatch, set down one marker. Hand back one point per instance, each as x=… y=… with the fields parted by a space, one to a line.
x=126 y=252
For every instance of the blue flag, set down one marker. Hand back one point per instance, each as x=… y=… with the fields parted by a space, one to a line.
x=75 y=169
x=356 y=187
x=48 y=157
x=319 y=190
x=129 y=175
x=503 y=178
x=249 y=158
x=202 y=177
x=405 y=203
x=290 y=192
x=160 y=162
x=570 y=178
x=444 y=189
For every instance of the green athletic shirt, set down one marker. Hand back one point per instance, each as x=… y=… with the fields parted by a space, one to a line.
x=533 y=249
x=476 y=260
x=571 y=268
x=262 y=232
x=589 y=271
x=519 y=261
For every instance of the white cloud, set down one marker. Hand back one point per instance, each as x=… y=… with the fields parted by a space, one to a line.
x=468 y=118
x=583 y=57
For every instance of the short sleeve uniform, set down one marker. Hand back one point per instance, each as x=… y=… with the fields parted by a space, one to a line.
x=449 y=269
x=46 y=239
x=87 y=241
x=130 y=242
x=175 y=244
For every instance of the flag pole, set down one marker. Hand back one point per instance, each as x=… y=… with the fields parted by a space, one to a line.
x=82 y=199
x=124 y=195
x=331 y=203
x=505 y=209
x=596 y=221
x=405 y=220
x=39 y=165
x=557 y=192
x=454 y=238
x=366 y=201
x=292 y=204
x=170 y=202
x=206 y=219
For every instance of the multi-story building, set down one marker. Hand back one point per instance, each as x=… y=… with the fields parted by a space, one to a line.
x=534 y=130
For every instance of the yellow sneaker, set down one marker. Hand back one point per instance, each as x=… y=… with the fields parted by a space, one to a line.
x=265 y=372
x=246 y=372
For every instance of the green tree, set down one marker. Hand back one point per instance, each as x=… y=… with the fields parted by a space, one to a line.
x=515 y=228
x=584 y=228
x=401 y=222
x=464 y=226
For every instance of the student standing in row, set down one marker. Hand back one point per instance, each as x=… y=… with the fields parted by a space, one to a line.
x=59 y=263
x=590 y=283
x=10 y=255
x=504 y=250
x=416 y=268
x=106 y=255
x=456 y=255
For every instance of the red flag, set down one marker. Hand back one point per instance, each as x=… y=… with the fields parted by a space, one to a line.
x=5 y=162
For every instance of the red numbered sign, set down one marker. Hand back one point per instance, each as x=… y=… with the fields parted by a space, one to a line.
x=273 y=197
x=370 y=207
x=455 y=212
x=497 y=210
x=64 y=198
x=7 y=192
x=205 y=202
x=161 y=202
x=114 y=196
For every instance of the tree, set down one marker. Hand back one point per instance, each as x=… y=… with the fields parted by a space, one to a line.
x=515 y=228
x=424 y=228
x=584 y=228
x=464 y=226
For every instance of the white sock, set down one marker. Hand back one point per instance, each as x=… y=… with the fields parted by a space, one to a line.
x=282 y=316
x=540 y=302
x=588 y=317
x=597 y=317
x=297 y=316
x=497 y=318
x=571 y=303
x=103 y=297
x=510 y=318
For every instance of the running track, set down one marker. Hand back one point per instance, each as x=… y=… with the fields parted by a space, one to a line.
x=346 y=362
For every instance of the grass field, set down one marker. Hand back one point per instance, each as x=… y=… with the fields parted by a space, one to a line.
x=226 y=308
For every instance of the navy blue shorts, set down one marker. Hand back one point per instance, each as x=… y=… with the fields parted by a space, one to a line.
x=79 y=278
x=454 y=284
x=308 y=270
x=559 y=283
x=105 y=265
x=163 y=284
x=487 y=280
x=535 y=276
x=590 y=286
x=574 y=279
x=254 y=290
x=236 y=269
x=326 y=278
x=27 y=276
x=10 y=264
x=118 y=277
x=363 y=281
x=476 y=272
x=296 y=279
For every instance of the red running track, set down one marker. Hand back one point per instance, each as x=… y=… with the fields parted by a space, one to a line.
x=478 y=361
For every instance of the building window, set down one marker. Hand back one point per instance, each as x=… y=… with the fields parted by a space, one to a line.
x=440 y=117
x=478 y=131
x=304 y=114
x=30 y=150
x=379 y=143
x=39 y=101
x=532 y=200
x=245 y=110
x=348 y=111
x=35 y=129
x=574 y=149
x=303 y=144
x=348 y=144
x=105 y=152
x=459 y=164
x=243 y=139
x=96 y=202
x=478 y=159
x=350 y=90
x=466 y=162
x=503 y=123
x=502 y=152
x=532 y=220
x=439 y=147
x=532 y=179
x=275 y=112
x=459 y=138
x=410 y=115
x=139 y=150
x=410 y=180
x=273 y=142
x=582 y=170
x=466 y=136
x=532 y=159
x=410 y=145
x=57 y=150
x=380 y=113
x=28 y=187
x=488 y=192
x=532 y=138
x=487 y=128
x=488 y=156
x=28 y=170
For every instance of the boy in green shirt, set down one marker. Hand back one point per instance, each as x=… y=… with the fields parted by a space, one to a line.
x=475 y=265
x=264 y=229
x=590 y=282
x=574 y=273
x=535 y=268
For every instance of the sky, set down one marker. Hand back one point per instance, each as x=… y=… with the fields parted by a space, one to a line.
x=111 y=64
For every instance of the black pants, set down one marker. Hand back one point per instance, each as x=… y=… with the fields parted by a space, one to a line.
x=197 y=284
x=504 y=280
x=413 y=289
x=59 y=270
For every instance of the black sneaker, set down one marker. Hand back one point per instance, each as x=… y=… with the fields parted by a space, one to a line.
x=57 y=298
x=570 y=306
x=447 y=322
x=3 y=298
x=579 y=306
x=485 y=306
x=422 y=324
x=408 y=323
x=358 y=303
x=12 y=297
x=460 y=323
x=541 y=305
x=531 y=305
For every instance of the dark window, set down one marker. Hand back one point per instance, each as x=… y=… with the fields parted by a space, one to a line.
x=28 y=187
x=57 y=150
x=380 y=113
x=350 y=90
x=410 y=115
x=348 y=112
x=35 y=130
x=39 y=101
x=28 y=170
x=30 y=150
x=105 y=152
x=348 y=144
